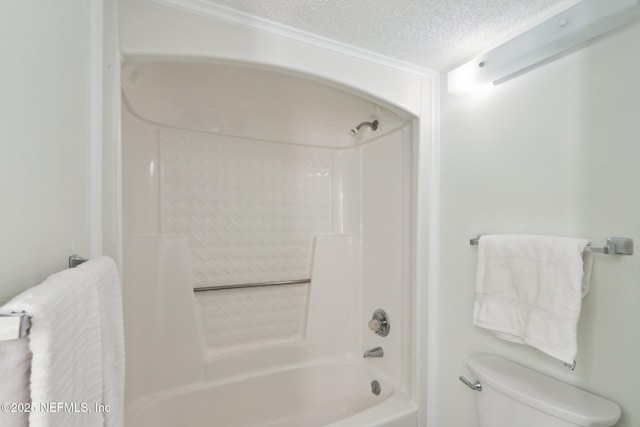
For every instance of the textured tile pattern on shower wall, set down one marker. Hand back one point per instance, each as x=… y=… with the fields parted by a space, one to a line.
x=250 y=209
x=237 y=319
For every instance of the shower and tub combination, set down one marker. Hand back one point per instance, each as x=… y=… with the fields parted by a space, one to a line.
x=268 y=249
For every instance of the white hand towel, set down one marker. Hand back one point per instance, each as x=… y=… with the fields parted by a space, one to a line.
x=65 y=343
x=529 y=290
x=105 y=273
x=15 y=360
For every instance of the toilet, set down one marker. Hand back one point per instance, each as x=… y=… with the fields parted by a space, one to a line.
x=514 y=396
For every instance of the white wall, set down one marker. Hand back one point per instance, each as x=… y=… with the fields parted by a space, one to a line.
x=44 y=134
x=554 y=151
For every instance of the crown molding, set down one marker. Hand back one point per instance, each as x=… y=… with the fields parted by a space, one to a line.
x=216 y=11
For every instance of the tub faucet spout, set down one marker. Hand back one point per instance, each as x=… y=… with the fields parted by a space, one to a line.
x=374 y=352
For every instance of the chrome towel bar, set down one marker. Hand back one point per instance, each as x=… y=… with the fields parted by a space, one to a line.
x=249 y=285
x=614 y=246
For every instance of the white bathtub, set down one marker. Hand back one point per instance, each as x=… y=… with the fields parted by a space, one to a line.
x=336 y=395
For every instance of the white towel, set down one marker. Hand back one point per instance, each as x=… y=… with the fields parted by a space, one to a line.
x=65 y=342
x=15 y=360
x=529 y=290
x=105 y=273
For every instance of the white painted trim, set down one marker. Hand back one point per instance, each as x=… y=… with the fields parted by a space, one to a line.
x=119 y=185
x=112 y=198
x=418 y=338
x=225 y=13
x=425 y=257
x=432 y=167
x=95 y=119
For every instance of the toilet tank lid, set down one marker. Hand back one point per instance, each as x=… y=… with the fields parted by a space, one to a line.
x=544 y=393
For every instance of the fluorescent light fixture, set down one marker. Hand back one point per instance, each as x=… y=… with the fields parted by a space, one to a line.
x=543 y=43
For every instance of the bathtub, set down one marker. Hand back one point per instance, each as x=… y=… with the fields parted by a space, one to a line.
x=330 y=394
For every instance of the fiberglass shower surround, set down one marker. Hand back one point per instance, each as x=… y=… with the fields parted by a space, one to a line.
x=259 y=235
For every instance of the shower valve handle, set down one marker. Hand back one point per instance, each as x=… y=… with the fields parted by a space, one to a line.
x=379 y=323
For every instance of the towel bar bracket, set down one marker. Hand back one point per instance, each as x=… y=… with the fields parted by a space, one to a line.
x=75 y=260
x=615 y=246
x=14 y=326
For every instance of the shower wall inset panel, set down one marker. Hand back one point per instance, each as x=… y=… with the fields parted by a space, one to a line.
x=249 y=208
x=236 y=319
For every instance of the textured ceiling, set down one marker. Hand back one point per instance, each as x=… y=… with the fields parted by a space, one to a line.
x=431 y=33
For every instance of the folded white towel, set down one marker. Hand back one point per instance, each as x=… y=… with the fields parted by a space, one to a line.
x=105 y=273
x=65 y=342
x=529 y=290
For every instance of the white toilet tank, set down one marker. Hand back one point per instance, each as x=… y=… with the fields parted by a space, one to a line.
x=515 y=396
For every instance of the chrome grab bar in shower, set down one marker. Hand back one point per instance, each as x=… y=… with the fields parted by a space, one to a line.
x=249 y=285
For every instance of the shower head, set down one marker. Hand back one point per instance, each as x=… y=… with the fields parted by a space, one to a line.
x=373 y=125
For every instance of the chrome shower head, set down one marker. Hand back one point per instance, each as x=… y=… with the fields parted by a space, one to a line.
x=373 y=125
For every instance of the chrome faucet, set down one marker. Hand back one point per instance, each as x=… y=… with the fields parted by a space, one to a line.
x=374 y=352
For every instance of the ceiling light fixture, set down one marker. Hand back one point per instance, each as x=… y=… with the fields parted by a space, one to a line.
x=543 y=43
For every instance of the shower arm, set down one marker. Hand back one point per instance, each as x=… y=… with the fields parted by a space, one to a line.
x=373 y=125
